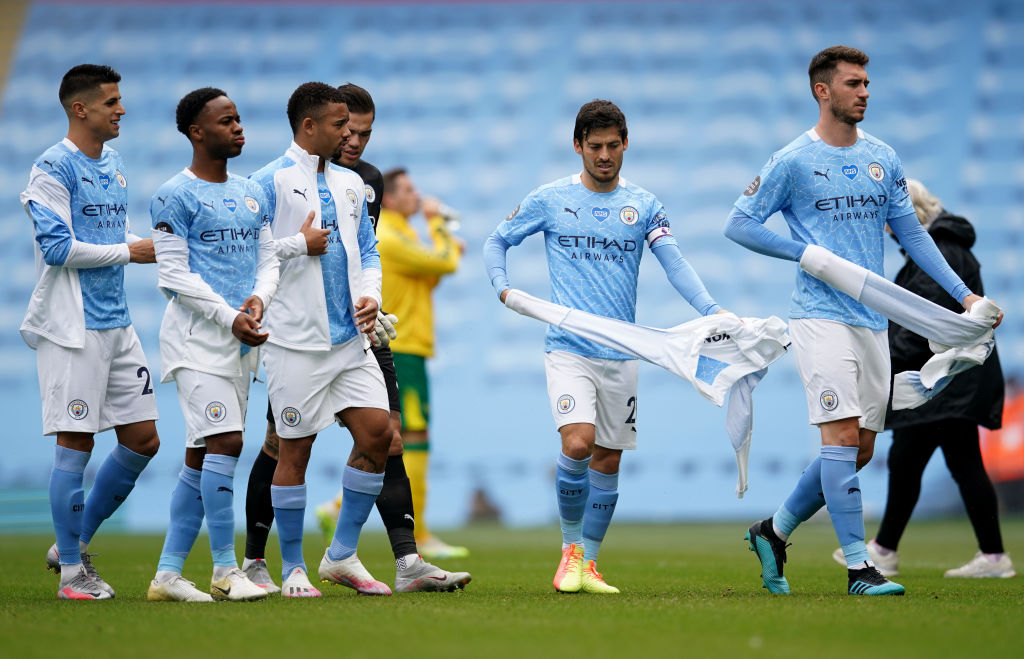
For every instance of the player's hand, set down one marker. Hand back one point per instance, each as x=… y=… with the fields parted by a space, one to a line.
x=366 y=314
x=383 y=330
x=503 y=295
x=142 y=251
x=245 y=330
x=430 y=207
x=969 y=302
x=253 y=305
x=316 y=239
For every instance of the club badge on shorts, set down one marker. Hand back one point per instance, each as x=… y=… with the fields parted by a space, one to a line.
x=290 y=417
x=77 y=409
x=829 y=400
x=566 y=403
x=216 y=412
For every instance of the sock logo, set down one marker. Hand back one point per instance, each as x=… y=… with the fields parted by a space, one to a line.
x=290 y=416
x=409 y=517
x=260 y=525
x=216 y=411
x=570 y=493
x=603 y=506
x=566 y=404
x=78 y=507
x=77 y=409
x=225 y=489
x=829 y=400
x=852 y=490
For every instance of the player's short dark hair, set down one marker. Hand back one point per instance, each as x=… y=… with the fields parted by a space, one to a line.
x=391 y=179
x=310 y=99
x=192 y=103
x=84 y=78
x=598 y=114
x=823 y=65
x=357 y=99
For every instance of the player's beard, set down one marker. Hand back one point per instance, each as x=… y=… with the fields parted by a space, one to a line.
x=612 y=175
x=846 y=116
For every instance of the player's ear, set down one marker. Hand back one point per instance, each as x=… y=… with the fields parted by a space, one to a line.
x=577 y=146
x=195 y=133
x=625 y=143
x=821 y=91
x=77 y=109
x=308 y=125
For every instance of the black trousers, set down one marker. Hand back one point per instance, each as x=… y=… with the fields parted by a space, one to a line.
x=912 y=447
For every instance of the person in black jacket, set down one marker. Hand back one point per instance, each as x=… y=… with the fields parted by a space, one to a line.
x=950 y=420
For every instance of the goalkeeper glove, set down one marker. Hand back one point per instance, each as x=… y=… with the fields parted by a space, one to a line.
x=383 y=330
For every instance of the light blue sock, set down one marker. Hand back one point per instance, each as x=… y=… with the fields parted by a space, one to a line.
x=289 y=510
x=67 y=501
x=573 y=489
x=604 y=492
x=216 y=485
x=114 y=482
x=805 y=500
x=359 y=493
x=841 y=486
x=186 y=518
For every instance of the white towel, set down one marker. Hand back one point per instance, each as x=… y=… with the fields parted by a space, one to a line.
x=962 y=341
x=719 y=355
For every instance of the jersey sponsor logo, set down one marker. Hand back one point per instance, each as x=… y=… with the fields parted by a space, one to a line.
x=251 y=204
x=77 y=409
x=850 y=171
x=901 y=183
x=853 y=202
x=351 y=194
x=629 y=215
x=594 y=242
x=216 y=412
x=566 y=404
x=514 y=212
x=574 y=213
x=824 y=173
x=120 y=178
x=600 y=214
x=325 y=196
x=661 y=219
x=754 y=186
x=717 y=338
x=230 y=204
x=96 y=210
x=829 y=400
x=876 y=171
x=290 y=417
x=230 y=233
x=371 y=196
x=163 y=226
x=104 y=181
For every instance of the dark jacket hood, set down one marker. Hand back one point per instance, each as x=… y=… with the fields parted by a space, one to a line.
x=953 y=227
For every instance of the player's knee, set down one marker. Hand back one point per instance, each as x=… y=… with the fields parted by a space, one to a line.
x=149 y=446
x=396 y=443
x=577 y=447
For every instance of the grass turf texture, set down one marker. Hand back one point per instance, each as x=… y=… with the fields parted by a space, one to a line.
x=688 y=589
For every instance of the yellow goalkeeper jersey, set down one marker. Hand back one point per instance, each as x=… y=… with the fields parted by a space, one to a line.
x=412 y=269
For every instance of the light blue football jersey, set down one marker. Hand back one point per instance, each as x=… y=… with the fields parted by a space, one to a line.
x=334 y=266
x=594 y=243
x=839 y=198
x=98 y=193
x=221 y=223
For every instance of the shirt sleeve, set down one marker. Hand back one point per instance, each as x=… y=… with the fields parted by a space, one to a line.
x=658 y=230
x=921 y=248
x=409 y=256
x=529 y=217
x=684 y=278
x=768 y=192
x=756 y=237
x=900 y=203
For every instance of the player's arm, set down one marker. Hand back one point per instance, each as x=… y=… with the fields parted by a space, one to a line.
x=919 y=246
x=368 y=304
x=495 y=261
x=684 y=278
x=755 y=236
x=529 y=217
x=408 y=256
x=267 y=275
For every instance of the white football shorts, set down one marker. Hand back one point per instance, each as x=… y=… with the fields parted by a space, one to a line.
x=307 y=389
x=601 y=392
x=213 y=404
x=845 y=370
x=105 y=384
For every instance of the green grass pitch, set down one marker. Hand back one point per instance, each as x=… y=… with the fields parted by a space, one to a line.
x=689 y=590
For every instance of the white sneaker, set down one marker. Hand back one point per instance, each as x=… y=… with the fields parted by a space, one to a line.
x=422 y=576
x=980 y=567
x=81 y=587
x=259 y=574
x=178 y=589
x=236 y=587
x=53 y=563
x=350 y=572
x=297 y=585
x=888 y=564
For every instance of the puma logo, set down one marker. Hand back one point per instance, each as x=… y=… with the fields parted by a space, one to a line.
x=817 y=173
x=301 y=194
x=88 y=180
x=568 y=210
x=210 y=206
x=161 y=200
x=852 y=490
x=228 y=489
x=48 y=164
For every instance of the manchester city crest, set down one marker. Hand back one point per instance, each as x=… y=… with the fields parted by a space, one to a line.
x=77 y=409
x=629 y=215
x=829 y=400
x=290 y=416
x=566 y=403
x=216 y=411
x=252 y=204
